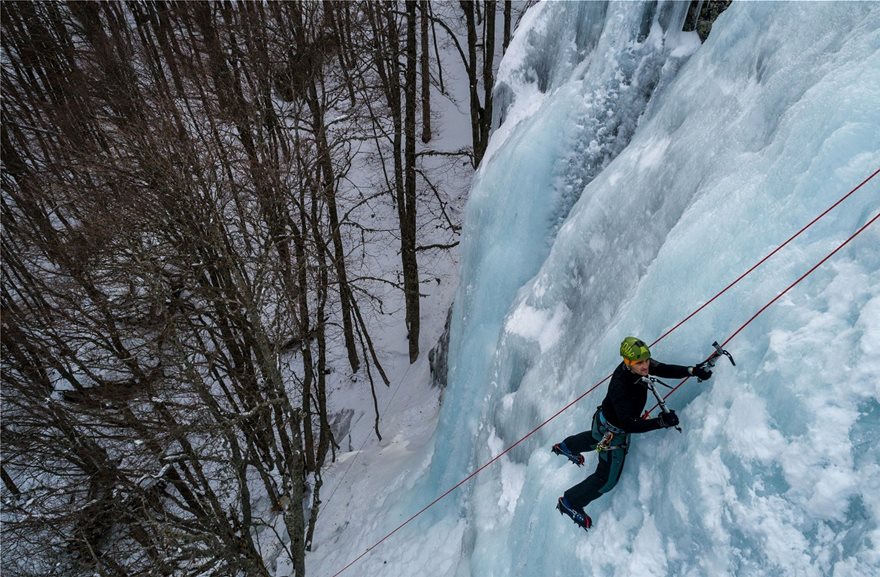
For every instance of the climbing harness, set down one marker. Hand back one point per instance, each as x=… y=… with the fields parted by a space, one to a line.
x=605 y=443
x=607 y=425
x=610 y=430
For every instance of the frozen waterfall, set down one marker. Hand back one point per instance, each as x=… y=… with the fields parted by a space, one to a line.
x=636 y=172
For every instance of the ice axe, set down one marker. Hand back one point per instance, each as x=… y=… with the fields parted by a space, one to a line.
x=713 y=358
x=650 y=382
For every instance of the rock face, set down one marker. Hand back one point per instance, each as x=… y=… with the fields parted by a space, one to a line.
x=701 y=15
x=438 y=356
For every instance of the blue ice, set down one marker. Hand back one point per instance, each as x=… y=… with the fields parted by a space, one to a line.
x=633 y=175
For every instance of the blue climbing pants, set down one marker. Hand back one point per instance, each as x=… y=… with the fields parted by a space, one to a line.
x=610 y=462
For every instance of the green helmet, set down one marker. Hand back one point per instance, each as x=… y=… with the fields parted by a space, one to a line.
x=633 y=349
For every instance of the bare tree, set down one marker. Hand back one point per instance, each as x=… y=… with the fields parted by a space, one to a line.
x=425 y=69
x=478 y=58
x=180 y=257
x=507 y=18
x=481 y=111
x=406 y=202
x=149 y=274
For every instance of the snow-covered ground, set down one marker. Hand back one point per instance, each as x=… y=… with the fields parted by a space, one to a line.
x=368 y=471
x=635 y=175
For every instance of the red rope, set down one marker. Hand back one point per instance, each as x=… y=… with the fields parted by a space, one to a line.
x=763 y=260
x=776 y=298
x=664 y=335
x=472 y=475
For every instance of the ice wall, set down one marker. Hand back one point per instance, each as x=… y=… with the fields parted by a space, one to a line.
x=634 y=175
x=584 y=75
x=767 y=124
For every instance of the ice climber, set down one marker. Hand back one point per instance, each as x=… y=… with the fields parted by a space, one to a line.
x=619 y=416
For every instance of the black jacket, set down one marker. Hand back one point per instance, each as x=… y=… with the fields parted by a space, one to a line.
x=627 y=395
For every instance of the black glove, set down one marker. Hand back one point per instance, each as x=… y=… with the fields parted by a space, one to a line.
x=668 y=419
x=701 y=372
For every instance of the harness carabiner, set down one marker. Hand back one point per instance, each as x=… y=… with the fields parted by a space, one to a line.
x=605 y=443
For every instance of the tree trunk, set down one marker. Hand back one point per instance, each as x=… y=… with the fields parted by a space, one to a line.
x=9 y=483
x=426 y=73
x=407 y=204
x=488 y=77
x=507 y=16
x=328 y=188
x=481 y=113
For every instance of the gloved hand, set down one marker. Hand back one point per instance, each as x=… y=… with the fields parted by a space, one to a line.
x=668 y=419
x=701 y=372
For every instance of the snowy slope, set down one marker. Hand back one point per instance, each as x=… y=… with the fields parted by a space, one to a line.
x=634 y=176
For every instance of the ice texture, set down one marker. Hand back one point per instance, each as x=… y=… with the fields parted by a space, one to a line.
x=633 y=175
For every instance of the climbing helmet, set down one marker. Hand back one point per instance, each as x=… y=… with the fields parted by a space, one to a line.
x=634 y=350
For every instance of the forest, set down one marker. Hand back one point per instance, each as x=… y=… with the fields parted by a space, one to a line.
x=194 y=195
x=187 y=228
